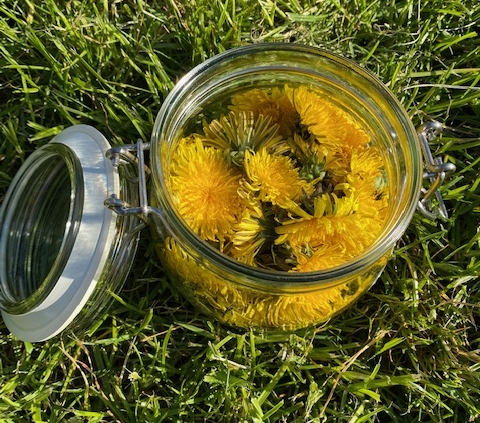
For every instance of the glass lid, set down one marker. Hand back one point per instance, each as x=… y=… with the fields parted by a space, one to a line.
x=60 y=247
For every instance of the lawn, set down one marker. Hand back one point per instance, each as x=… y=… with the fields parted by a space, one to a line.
x=407 y=351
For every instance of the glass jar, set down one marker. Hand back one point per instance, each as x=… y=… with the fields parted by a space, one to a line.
x=248 y=296
x=71 y=217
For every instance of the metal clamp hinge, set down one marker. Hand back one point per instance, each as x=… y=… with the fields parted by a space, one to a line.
x=435 y=172
x=131 y=154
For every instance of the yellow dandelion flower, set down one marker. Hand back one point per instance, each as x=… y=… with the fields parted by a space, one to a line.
x=322 y=258
x=205 y=190
x=352 y=233
x=366 y=176
x=274 y=178
x=254 y=230
x=237 y=134
x=267 y=102
x=320 y=116
x=330 y=124
x=335 y=222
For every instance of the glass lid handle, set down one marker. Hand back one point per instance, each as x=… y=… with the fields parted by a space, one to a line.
x=131 y=154
x=435 y=173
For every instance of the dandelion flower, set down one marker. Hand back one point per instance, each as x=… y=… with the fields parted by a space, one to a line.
x=274 y=178
x=255 y=229
x=268 y=102
x=236 y=134
x=325 y=120
x=366 y=176
x=322 y=258
x=205 y=190
x=335 y=222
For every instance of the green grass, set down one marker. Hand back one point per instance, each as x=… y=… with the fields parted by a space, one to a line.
x=408 y=351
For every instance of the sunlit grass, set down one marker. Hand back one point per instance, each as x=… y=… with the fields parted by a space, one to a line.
x=408 y=351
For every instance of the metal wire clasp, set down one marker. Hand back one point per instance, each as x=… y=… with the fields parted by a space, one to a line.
x=131 y=154
x=435 y=172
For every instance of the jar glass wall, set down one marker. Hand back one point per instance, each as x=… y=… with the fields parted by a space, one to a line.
x=244 y=295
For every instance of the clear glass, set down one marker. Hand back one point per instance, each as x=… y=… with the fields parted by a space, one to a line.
x=248 y=296
x=39 y=226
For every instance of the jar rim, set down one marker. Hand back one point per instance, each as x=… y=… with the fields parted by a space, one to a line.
x=191 y=81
